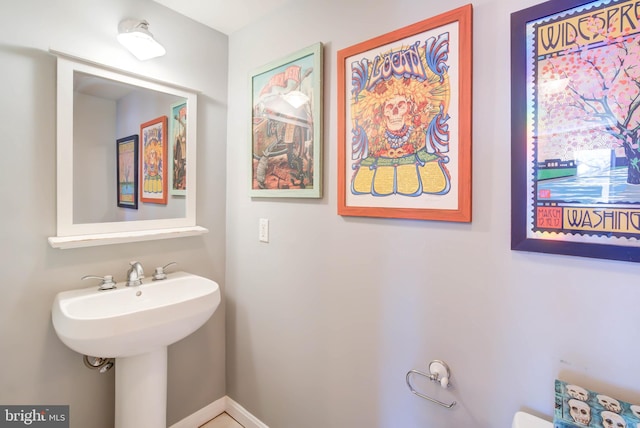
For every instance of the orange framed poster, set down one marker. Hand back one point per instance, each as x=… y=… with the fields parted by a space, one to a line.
x=153 y=161
x=404 y=122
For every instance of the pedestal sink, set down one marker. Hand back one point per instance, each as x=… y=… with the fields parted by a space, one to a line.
x=135 y=325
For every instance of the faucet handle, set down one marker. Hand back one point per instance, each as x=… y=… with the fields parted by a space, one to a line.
x=160 y=274
x=137 y=268
x=135 y=274
x=107 y=281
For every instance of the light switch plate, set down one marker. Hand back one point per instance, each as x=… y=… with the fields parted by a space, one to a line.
x=263 y=230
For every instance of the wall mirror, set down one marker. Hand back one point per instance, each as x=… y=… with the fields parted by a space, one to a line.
x=126 y=157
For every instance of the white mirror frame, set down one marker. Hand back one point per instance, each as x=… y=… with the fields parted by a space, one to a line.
x=70 y=235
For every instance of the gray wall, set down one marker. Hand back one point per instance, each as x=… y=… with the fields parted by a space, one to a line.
x=36 y=367
x=94 y=165
x=324 y=321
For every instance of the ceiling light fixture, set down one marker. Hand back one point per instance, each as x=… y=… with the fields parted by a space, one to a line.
x=134 y=35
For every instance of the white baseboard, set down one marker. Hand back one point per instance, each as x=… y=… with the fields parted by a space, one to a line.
x=221 y=405
x=203 y=415
x=242 y=415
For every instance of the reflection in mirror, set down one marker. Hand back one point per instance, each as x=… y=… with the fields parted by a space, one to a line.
x=104 y=111
x=99 y=107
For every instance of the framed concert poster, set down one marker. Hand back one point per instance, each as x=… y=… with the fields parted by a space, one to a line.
x=286 y=126
x=153 y=162
x=127 y=171
x=404 y=122
x=178 y=147
x=575 y=76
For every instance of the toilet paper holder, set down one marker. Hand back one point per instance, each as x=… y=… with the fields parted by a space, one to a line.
x=438 y=372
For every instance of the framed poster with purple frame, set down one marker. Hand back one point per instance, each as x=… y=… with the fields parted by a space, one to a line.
x=575 y=76
x=127 y=171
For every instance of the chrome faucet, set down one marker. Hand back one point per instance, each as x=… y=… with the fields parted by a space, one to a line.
x=135 y=274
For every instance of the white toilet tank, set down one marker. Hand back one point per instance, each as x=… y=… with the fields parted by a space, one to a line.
x=525 y=420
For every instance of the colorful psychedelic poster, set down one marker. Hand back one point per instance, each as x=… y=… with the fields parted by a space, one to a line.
x=405 y=135
x=286 y=123
x=583 y=125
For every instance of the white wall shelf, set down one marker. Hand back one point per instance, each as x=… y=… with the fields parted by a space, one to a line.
x=78 y=241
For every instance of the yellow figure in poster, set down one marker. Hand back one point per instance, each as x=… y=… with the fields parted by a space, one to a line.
x=399 y=110
x=152 y=158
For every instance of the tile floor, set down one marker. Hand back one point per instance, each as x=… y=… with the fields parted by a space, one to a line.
x=222 y=421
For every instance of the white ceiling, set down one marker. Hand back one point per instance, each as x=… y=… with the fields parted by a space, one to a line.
x=225 y=16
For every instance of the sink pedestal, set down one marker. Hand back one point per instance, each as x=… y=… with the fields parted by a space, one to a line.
x=135 y=325
x=141 y=390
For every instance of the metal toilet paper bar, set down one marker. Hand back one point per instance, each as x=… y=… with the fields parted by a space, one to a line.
x=439 y=372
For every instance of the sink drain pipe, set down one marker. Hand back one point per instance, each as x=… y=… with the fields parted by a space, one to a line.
x=101 y=364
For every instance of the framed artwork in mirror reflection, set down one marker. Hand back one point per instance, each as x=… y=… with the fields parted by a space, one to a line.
x=178 y=138
x=286 y=123
x=153 y=163
x=127 y=171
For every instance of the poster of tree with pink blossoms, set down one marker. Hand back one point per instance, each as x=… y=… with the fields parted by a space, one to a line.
x=576 y=129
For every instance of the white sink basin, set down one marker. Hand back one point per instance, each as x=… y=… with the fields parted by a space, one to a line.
x=130 y=321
